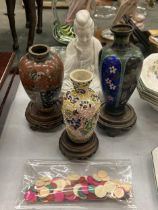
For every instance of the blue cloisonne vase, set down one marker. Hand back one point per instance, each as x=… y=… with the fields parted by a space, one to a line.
x=120 y=66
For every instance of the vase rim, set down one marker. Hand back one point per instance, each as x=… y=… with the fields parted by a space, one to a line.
x=122 y=29
x=39 y=50
x=76 y=76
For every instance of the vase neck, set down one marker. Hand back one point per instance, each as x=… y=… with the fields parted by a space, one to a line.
x=81 y=87
x=81 y=80
x=39 y=52
x=121 y=35
x=121 y=41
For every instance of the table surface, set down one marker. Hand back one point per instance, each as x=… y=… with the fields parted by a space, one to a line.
x=19 y=143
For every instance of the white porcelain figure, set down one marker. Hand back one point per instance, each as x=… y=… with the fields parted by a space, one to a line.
x=75 y=6
x=83 y=51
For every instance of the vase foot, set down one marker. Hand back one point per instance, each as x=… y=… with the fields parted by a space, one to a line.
x=78 y=151
x=114 y=125
x=43 y=120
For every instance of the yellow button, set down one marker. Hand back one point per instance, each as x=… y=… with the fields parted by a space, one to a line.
x=110 y=187
x=119 y=193
x=44 y=192
x=127 y=187
x=102 y=174
x=44 y=178
x=61 y=183
x=76 y=188
x=95 y=176
x=73 y=177
x=39 y=183
x=100 y=191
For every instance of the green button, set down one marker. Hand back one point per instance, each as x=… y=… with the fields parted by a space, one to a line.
x=91 y=189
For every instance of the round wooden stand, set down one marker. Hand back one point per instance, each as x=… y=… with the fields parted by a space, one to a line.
x=75 y=150
x=116 y=124
x=43 y=120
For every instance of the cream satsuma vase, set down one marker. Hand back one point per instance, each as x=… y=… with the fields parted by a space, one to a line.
x=81 y=107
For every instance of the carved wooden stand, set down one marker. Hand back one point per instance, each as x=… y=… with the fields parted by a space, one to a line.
x=44 y=119
x=116 y=124
x=78 y=150
x=30 y=11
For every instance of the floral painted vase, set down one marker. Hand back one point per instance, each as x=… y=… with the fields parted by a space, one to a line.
x=41 y=73
x=81 y=107
x=120 y=67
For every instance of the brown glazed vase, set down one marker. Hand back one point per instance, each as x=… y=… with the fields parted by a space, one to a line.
x=41 y=73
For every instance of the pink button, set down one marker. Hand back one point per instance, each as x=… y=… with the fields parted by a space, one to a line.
x=85 y=189
x=91 y=181
x=30 y=196
x=59 y=196
x=70 y=197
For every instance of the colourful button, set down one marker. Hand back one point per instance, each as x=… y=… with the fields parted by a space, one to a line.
x=91 y=196
x=127 y=187
x=100 y=191
x=85 y=189
x=76 y=189
x=110 y=187
x=73 y=177
x=119 y=193
x=30 y=196
x=91 y=189
x=39 y=183
x=58 y=196
x=102 y=174
x=61 y=183
x=95 y=176
x=81 y=194
x=44 y=192
x=45 y=178
x=50 y=197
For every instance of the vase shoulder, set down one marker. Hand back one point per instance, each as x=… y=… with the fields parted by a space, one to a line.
x=41 y=74
x=74 y=100
x=122 y=53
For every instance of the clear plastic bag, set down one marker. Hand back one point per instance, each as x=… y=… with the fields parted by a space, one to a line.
x=51 y=184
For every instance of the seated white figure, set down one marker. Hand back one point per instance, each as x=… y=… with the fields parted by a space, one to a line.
x=83 y=51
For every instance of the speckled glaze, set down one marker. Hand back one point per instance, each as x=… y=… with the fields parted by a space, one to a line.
x=81 y=107
x=41 y=73
x=120 y=67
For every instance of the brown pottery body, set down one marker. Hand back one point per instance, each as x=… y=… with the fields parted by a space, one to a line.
x=41 y=73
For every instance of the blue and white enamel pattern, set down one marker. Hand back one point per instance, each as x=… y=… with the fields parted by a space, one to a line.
x=110 y=74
